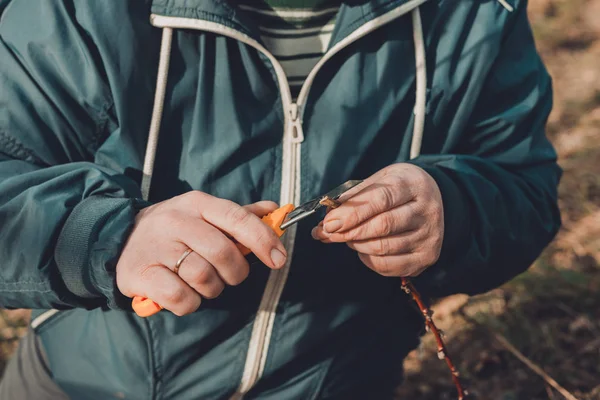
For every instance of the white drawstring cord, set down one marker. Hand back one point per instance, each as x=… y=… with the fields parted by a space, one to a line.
x=421 y=96
x=506 y=5
x=157 y=110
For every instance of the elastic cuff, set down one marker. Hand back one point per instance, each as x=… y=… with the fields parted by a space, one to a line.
x=90 y=244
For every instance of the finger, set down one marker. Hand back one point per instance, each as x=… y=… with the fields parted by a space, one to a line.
x=318 y=234
x=201 y=276
x=385 y=194
x=167 y=289
x=405 y=218
x=220 y=251
x=404 y=265
x=261 y=208
x=365 y=183
x=391 y=245
x=247 y=229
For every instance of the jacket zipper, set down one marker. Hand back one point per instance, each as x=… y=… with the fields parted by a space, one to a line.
x=290 y=182
x=290 y=193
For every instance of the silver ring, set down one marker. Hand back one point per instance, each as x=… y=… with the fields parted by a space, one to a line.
x=183 y=256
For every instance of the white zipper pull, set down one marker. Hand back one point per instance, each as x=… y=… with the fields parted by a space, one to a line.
x=296 y=128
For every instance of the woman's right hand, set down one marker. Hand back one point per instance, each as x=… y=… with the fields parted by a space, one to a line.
x=205 y=224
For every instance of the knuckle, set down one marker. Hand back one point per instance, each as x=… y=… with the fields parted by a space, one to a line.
x=185 y=309
x=179 y=311
x=418 y=209
x=353 y=217
x=214 y=291
x=396 y=181
x=189 y=196
x=175 y=295
x=387 y=225
x=384 y=198
x=192 y=198
x=382 y=247
x=168 y=216
x=238 y=215
x=349 y=236
x=221 y=254
x=195 y=195
x=420 y=177
x=203 y=275
x=404 y=244
x=240 y=275
x=171 y=219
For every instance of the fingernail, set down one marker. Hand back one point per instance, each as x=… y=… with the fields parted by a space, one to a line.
x=278 y=258
x=313 y=233
x=332 y=226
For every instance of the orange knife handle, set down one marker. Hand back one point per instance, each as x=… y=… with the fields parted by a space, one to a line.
x=144 y=307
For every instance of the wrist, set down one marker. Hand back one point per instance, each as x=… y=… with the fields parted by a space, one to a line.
x=457 y=224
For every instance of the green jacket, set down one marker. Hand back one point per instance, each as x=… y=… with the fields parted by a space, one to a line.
x=454 y=86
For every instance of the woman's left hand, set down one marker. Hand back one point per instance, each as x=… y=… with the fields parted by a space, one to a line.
x=394 y=220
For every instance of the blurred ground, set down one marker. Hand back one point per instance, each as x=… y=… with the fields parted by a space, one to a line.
x=551 y=313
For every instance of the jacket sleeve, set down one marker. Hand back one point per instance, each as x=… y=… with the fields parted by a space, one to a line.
x=63 y=218
x=499 y=189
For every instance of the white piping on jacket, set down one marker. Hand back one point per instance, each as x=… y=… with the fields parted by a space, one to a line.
x=421 y=78
x=40 y=319
x=506 y=5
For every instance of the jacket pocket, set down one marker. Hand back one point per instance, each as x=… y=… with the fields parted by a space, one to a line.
x=96 y=354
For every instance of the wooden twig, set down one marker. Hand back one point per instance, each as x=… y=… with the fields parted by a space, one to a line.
x=442 y=352
x=533 y=366
x=549 y=392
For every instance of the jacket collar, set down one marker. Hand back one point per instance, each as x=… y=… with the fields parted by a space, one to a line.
x=353 y=13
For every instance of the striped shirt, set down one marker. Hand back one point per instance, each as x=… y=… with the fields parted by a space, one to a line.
x=296 y=32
